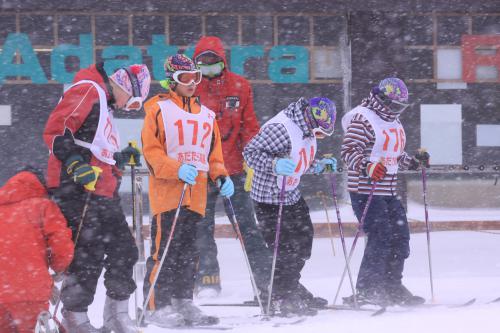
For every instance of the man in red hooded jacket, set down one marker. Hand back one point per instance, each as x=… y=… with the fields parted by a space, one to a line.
x=230 y=96
x=81 y=135
x=33 y=237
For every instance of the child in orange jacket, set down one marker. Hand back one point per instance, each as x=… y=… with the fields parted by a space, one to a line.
x=181 y=145
x=33 y=237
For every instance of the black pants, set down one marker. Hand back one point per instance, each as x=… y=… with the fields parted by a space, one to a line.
x=295 y=242
x=259 y=254
x=388 y=242
x=176 y=277
x=105 y=241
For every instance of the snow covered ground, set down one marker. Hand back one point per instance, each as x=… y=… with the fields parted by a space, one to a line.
x=466 y=265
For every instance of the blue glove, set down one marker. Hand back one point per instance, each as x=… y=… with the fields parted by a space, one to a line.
x=285 y=167
x=226 y=186
x=187 y=173
x=326 y=164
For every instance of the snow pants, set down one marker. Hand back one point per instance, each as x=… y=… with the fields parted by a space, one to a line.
x=295 y=242
x=388 y=243
x=259 y=255
x=20 y=317
x=105 y=241
x=176 y=276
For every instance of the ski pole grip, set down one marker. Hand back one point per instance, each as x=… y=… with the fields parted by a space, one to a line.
x=328 y=167
x=133 y=144
x=91 y=186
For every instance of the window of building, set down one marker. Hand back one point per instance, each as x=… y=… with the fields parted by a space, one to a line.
x=441 y=132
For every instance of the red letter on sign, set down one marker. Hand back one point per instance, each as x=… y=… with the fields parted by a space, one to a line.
x=471 y=59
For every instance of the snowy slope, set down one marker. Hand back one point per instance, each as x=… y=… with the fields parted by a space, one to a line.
x=466 y=265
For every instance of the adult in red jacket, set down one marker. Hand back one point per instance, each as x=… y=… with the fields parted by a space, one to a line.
x=230 y=96
x=81 y=135
x=33 y=237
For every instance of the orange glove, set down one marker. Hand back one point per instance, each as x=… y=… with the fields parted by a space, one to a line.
x=376 y=171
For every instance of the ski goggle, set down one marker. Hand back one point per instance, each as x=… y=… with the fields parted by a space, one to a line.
x=187 y=78
x=212 y=70
x=134 y=103
x=321 y=133
x=391 y=104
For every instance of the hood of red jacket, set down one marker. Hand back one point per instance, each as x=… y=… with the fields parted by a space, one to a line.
x=24 y=185
x=91 y=73
x=210 y=43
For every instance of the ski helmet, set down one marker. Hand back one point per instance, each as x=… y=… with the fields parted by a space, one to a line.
x=320 y=115
x=180 y=69
x=393 y=94
x=135 y=81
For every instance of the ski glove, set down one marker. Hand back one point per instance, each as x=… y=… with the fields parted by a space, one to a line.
x=376 y=171
x=128 y=156
x=226 y=186
x=423 y=157
x=284 y=166
x=187 y=173
x=325 y=164
x=81 y=172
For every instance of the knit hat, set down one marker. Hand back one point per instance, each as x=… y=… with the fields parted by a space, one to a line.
x=134 y=79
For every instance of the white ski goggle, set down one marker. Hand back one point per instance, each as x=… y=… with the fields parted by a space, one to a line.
x=134 y=103
x=186 y=78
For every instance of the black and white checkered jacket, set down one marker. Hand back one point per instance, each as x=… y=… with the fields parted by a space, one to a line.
x=270 y=144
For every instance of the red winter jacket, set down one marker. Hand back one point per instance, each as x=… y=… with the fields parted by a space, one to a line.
x=230 y=97
x=77 y=116
x=33 y=236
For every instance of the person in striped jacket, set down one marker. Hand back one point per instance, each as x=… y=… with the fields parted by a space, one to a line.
x=373 y=149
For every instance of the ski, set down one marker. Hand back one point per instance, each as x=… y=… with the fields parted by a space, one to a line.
x=244 y=304
x=350 y=308
x=427 y=306
x=451 y=306
x=496 y=300
x=191 y=327
x=295 y=322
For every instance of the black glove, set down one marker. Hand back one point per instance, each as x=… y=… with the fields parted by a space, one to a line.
x=80 y=171
x=128 y=156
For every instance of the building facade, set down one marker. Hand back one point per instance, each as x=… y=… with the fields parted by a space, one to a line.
x=448 y=52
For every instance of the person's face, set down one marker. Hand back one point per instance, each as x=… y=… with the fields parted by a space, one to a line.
x=186 y=91
x=121 y=96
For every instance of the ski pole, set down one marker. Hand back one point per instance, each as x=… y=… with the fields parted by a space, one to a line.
x=236 y=227
x=328 y=223
x=428 y=229
x=132 y=163
x=90 y=187
x=276 y=244
x=45 y=323
x=333 y=181
x=358 y=232
x=164 y=255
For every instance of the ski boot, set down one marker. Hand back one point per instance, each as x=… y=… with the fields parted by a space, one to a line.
x=77 y=322
x=400 y=295
x=369 y=297
x=165 y=317
x=116 y=318
x=292 y=305
x=208 y=287
x=310 y=299
x=193 y=316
